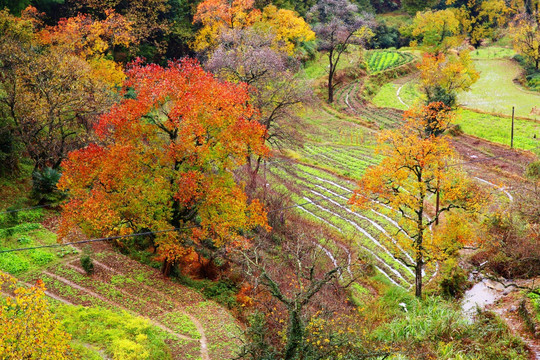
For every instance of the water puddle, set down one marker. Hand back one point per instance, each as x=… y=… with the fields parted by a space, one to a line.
x=482 y=294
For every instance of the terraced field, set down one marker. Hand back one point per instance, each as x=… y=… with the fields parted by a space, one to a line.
x=323 y=198
x=193 y=327
x=349 y=100
x=380 y=60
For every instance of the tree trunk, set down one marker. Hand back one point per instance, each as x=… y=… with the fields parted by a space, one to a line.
x=330 y=88
x=331 y=70
x=295 y=333
x=166 y=267
x=418 y=277
x=537 y=63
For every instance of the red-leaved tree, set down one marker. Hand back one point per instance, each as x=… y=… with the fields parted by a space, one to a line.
x=165 y=159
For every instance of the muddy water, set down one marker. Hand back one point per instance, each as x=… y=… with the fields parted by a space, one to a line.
x=480 y=295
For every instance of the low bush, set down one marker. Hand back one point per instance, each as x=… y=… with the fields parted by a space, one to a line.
x=87 y=264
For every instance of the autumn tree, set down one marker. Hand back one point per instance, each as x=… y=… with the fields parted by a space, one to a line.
x=216 y=16
x=165 y=159
x=480 y=19
x=444 y=75
x=49 y=97
x=249 y=56
x=29 y=330
x=436 y=31
x=338 y=26
x=417 y=164
x=94 y=41
x=525 y=32
x=148 y=18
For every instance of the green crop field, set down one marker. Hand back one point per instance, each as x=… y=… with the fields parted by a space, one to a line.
x=380 y=60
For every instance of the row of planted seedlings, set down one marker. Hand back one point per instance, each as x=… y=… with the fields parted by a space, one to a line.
x=386 y=215
x=330 y=207
x=350 y=161
x=380 y=60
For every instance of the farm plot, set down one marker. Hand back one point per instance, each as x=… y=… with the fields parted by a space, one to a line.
x=349 y=100
x=350 y=161
x=380 y=60
x=324 y=199
x=189 y=326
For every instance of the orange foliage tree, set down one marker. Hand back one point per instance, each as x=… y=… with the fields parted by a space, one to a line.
x=165 y=159
x=94 y=41
x=417 y=163
x=29 y=330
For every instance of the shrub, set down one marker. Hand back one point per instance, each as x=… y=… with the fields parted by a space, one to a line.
x=454 y=281
x=44 y=185
x=18 y=229
x=87 y=264
x=455 y=130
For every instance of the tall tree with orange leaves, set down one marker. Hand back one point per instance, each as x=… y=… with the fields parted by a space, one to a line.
x=417 y=164
x=165 y=159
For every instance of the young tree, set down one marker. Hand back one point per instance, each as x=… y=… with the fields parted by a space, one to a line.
x=165 y=159
x=417 y=163
x=443 y=75
x=300 y=280
x=29 y=330
x=526 y=37
x=338 y=25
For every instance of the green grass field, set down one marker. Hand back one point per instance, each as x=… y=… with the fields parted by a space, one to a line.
x=387 y=96
x=497 y=129
x=492 y=52
x=495 y=91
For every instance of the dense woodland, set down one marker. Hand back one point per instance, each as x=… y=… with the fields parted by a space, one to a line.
x=248 y=179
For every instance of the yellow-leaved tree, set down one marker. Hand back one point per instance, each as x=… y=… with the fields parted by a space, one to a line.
x=28 y=329
x=436 y=31
x=526 y=37
x=418 y=162
x=443 y=75
x=215 y=16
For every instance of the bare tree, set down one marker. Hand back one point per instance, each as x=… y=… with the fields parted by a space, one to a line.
x=249 y=55
x=337 y=24
x=303 y=273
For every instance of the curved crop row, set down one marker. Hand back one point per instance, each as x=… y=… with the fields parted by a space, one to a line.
x=380 y=60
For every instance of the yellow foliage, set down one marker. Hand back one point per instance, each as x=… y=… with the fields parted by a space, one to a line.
x=526 y=38
x=417 y=164
x=452 y=72
x=438 y=30
x=288 y=27
x=28 y=328
x=107 y=71
x=216 y=15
